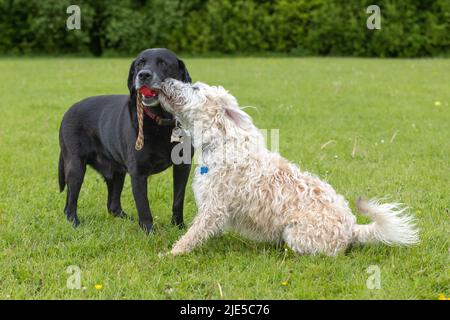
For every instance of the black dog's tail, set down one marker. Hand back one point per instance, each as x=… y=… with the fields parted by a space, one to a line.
x=61 y=175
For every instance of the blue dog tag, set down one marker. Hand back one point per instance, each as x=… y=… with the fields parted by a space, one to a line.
x=203 y=170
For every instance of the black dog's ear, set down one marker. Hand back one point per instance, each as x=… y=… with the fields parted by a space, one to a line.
x=131 y=76
x=132 y=101
x=185 y=74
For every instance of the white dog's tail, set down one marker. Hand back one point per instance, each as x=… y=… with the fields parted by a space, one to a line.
x=391 y=224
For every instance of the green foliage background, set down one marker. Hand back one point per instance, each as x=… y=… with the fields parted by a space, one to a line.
x=409 y=28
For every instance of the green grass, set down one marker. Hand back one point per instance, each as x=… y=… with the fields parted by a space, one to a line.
x=396 y=110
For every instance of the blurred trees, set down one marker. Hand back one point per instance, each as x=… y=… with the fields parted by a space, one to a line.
x=409 y=28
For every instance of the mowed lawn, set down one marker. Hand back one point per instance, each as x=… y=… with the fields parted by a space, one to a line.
x=370 y=127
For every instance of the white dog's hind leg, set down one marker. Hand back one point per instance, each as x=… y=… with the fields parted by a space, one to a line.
x=305 y=239
x=206 y=224
x=296 y=237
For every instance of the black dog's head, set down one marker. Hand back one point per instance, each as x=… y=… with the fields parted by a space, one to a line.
x=151 y=67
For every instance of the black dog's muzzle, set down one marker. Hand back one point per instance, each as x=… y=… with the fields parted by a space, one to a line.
x=147 y=78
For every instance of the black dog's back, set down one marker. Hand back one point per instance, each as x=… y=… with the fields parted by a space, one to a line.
x=89 y=113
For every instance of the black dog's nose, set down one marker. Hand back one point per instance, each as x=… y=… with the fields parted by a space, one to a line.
x=144 y=75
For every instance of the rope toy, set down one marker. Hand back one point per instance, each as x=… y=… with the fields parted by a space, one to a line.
x=141 y=109
x=140 y=116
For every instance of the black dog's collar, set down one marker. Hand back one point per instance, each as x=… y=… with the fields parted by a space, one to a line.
x=149 y=113
x=159 y=121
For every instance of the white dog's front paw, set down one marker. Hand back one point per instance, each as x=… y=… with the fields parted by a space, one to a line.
x=162 y=255
x=178 y=250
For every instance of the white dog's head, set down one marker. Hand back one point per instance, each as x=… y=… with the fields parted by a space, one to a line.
x=214 y=106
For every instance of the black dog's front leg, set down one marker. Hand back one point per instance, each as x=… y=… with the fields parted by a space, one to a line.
x=180 y=179
x=139 y=186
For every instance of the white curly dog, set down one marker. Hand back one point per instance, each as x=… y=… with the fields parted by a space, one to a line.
x=240 y=185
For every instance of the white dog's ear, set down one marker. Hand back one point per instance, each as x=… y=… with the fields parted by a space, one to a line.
x=232 y=110
x=239 y=117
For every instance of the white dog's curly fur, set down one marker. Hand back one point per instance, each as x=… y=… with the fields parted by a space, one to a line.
x=261 y=195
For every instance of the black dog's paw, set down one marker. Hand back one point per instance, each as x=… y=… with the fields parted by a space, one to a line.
x=181 y=225
x=178 y=223
x=146 y=226
x=74 y=220
x=177 y=220
x=119 y=214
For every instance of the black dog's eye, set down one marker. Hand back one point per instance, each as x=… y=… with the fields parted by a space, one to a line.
x=162 y=63
x=141 y=63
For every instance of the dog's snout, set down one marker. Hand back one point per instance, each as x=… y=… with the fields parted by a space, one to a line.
x=166 y=84
x=144 y=75
x=168 y=81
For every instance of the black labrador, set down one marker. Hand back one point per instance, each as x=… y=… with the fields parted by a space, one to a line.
x=101 y=132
